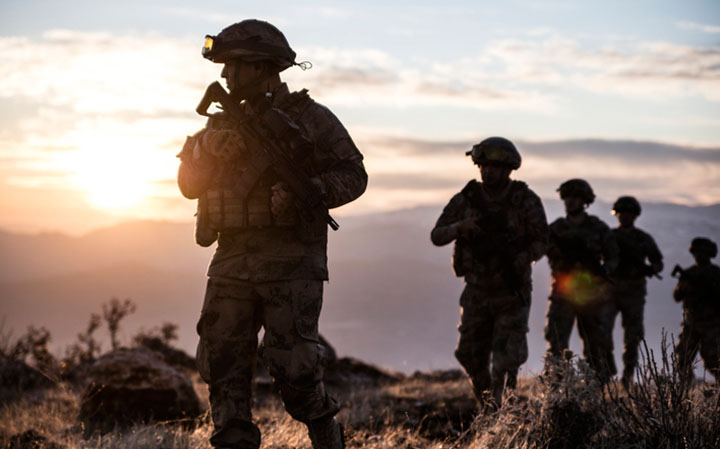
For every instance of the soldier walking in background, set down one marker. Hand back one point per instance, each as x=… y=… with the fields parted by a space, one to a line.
x=698 y=289
x=582 y=253
x=270 y=263
x=499 y=229
x=629 y=284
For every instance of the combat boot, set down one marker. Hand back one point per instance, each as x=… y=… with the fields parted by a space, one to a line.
x=326 y=433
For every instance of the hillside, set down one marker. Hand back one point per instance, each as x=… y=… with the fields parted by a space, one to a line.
x=390 y=288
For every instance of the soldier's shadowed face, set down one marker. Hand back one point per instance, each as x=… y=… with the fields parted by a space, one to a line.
x=701 y=258
x=626 y=219
x=494 y=175
x=574 y=204
x=242 y=77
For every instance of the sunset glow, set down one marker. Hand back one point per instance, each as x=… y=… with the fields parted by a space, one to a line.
x=97 y=103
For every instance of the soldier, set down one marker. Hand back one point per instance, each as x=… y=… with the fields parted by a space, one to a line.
x=582 y=252
x=499 y=229
x=699 y=291
x=629 y=285
x=270 y=263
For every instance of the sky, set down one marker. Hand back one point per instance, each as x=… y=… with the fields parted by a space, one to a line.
x=96 y=98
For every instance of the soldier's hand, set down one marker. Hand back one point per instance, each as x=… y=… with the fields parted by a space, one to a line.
x=222 y=144
x=282 y=199
x=468 y=228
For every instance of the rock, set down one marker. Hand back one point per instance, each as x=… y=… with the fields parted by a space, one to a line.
x=348 y=372
x=17 y=377
x=173 y=357
x=130 y=386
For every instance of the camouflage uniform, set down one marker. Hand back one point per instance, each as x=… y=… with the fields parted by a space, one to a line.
x=496 y=300
x=629 y=289
x=268 y=272
x=699 y=291
x=579 y=290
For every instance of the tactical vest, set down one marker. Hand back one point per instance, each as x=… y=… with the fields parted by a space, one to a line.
x=467 y=261
x=226 y=207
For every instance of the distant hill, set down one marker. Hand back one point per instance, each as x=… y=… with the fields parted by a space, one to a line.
x=392 y=298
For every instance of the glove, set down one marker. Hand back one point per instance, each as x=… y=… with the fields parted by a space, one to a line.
x=221 y=144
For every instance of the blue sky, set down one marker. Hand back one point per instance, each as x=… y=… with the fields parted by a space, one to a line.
x=84 y=82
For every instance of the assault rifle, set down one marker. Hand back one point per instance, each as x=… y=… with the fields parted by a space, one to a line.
x=276 y=142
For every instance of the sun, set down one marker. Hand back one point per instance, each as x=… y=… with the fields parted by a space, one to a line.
x=115 y=175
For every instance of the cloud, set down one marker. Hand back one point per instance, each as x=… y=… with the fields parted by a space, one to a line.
x=712 y=29
x=76 y=102
x=651 y=170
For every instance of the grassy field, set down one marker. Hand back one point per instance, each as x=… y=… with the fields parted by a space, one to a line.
x=564 y=408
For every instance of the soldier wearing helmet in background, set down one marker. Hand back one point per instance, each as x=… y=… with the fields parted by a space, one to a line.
x=698 y=289
x=582 y=253
x=499 y=229
x=629 y=285
x=270 y=263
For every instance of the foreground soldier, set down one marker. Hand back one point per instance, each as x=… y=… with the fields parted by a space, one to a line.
x=629 y=284
x=699 y=291
x=499 y=229
x=582 y=252
x=270 y=263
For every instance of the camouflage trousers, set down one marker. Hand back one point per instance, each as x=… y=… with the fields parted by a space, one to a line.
x=595 y=332
x=631 y=307
x=492 y=327
x=232 y=315
x=702 y=336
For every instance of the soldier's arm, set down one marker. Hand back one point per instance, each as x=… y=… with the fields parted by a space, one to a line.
x=680 y=290
x=610 y=250
x=654 y=255
x=341 y=173
x=446 y=228
x=196 y=168
x=538 y=231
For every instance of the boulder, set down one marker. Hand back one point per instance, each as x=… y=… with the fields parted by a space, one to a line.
x=17 y=378
x=173 y=357
x=136 y=385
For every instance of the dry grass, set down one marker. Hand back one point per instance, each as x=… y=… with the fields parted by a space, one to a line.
x=563 y=408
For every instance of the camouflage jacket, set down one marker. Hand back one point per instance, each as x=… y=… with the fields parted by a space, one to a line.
x=588 y=247
x=515 y=235
x=269 y=248
x=635 y=247
x=699 y=291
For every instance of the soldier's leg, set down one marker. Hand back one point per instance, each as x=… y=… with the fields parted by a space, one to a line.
x=560 y=320
x=292 y=352
x=474 y=345
x=632 y=322
x=597 y=347
x=710 y=351
x=226 y=354
x=686 y=349
x=509 y=347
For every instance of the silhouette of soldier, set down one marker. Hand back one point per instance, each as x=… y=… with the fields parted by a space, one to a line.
x=629 y=284
x=582 y=252
x=698 y=289
x=270 y=263
x=499 y=229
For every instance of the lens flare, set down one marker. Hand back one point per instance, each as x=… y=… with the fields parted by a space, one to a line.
x=580 y=286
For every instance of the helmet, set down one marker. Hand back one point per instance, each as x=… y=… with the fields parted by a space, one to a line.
x=627 y=204
x=496 y=149
x=577 y=187
x=250 y=40
x=703 y=245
